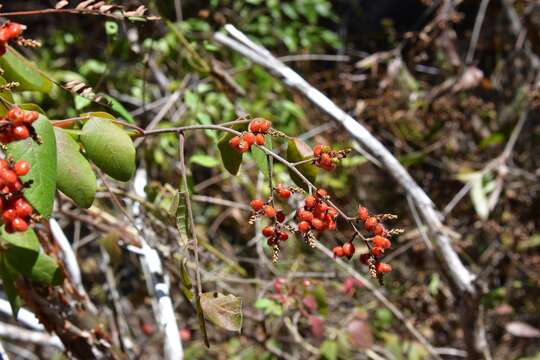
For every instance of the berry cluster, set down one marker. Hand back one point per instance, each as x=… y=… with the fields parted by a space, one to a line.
x=379 y=241
x=257 y=129
x=9 y=31
x=16 y=125
x=345 y=250
x=326 y=158
x=274 y=234
x=316 y=213
x=16 y=211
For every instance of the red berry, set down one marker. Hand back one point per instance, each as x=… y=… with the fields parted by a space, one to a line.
x=332 y=212
x=254 y=126
x=23 y=208
x=283 y=236
x=322 y=193
x=234 y=142
x=381 y=242
x=259 y=139
x=306 y=216
x=285 y=193
x=338 y=251
x=383 y=268
x=377 y=251
x=379 y=229
x=20 y=132
x=348 y=249
x=243 y=147
x=317 y=150
x=16 y=186
x=8 y=176
x=14 y=114
x=326 y=160
x=30 y=117
x=4 y=35
x=268 y=231
x=249 y=138
x=310 y=202
x=256 y=204
x=4 y=164
x=147 y=329
x=22 y=167
x=363 y=213
x=370 y=224
x=269 y=211
x=321 y=207
x=364 y=258
x=9 y=215
x=318 y=224
x=332 y=225
x=304 y=227
x=265 y=126
x=14 y=30
x=5 y=138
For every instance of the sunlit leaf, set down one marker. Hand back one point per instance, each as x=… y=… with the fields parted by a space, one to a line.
x=223 y=310
x=18 y=68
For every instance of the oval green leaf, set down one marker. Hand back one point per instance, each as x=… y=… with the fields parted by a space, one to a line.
x=74 y=175
x=297 y=150
x=42 y=159
x=109 y=147
x=18 y=68
x=231 y=158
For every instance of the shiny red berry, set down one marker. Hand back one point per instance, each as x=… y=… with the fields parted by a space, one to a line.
x=283 y=236
x=269 y=211
x=338 y=251
x=310 y=202
x=9 y=215
x=348 y=249
x=20 y=132
x=318 y=224
x=30 y=117
x=377 y=251
x=268 y=231
x=256 y=204
x=304 y=227
x=259 y=139
x=265 y=126
x=363 y=213
x=23 y=208
x=317 y=150
x=234 y=142
x=22 y=167
x=383 y=267
x=381 y=242
x=243 y=147
x=370 y=224
x=254 y=126
x=306 y=216
x=8 y=176
x=249 y=138
x=19 y=225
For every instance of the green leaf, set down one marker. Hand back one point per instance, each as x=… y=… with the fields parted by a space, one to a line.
x=186 y=285
x=270 y=307
x=231 y=158
x=223 y=310
x=46 y=271
x=120 y=109
x=27 y=240
x=201 y=319
x=297 y=150
x=181 y=217
x=42 y=158
x=204 y=160
x=260 y=157
x=18 y=68
x=32 y=107
x=74 y=175
x=329 y=350
x=109 y=147
x=8 y=281
x=23 y=250
x=533 y=241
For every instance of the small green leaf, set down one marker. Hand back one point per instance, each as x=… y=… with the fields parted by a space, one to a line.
x=120 y=109
x=18 y=68
x=270 y=307
x=204 y=160
x=186 y=280
x=260 y=157
x=201 y=319
x=223 y=310
x=46 y=271
x=74 y=175
x=109 y=147
x=42 y=159
x=231 y=158
x=32 y=107
x=8 y=281
x=181 y=217
x=297 y=150
x=329 y=350
x=27 y=240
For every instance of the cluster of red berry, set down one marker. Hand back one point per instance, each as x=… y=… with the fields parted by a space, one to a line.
x=274 y=234
x=16 y=211
x=326 y=158
x=257 y=128
x=9 y=31
x=316 y=213
x=16 y=125
x=345 y=250
x=379 y=241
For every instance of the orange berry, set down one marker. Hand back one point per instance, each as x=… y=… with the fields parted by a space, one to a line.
x=379 y=229
x=338 y=251
x=14 y=29
x=321 y=207
x=332 y=225
x=306 y=216
x=23 y=208
x=255 y=126
x=377 y=251
x=256 y=204
x=284 y=193
x=30 y=117
x=249 y=138
x=9 y=215
x=322 y=193
x=383 y=267
x=318 y=224
x=326 y=160
x=8 y=176
x=259 y=139
x=243 y=147
x=268 y=231
x=265 y=126
x=283 y=236
x=363 y=213
x=20 y=132
x=381 y=242
x=348 y=249
x=269 y=211
x=317 y=150
x=14 y=114
x=4 y=164
x=22 y=167
x=370 y=224
x=309 y=202
x=234 y=142
x=304 y=227
x=332 y=212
